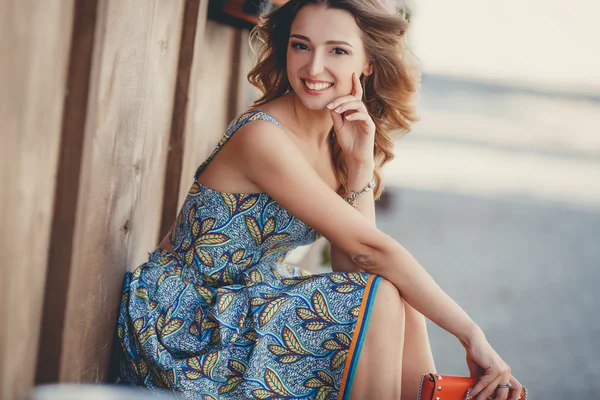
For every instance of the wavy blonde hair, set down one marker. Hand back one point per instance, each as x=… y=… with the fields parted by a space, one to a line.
x=388 y=92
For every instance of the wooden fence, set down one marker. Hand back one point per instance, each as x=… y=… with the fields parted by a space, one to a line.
x=106 y=109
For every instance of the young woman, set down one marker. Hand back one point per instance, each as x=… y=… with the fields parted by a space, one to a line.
x=214 y=312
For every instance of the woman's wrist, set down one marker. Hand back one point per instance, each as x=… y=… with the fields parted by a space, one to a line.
x=359 y=175
x=471 y=334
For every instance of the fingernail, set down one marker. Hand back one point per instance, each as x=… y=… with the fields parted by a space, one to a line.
x=329 y=105
x=338 y=109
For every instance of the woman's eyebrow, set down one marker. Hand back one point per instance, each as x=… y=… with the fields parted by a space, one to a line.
x=327 y=42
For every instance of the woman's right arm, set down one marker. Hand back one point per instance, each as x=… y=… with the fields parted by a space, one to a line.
x=272 y=160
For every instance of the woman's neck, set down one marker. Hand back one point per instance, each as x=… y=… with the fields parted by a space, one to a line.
x=310 y=125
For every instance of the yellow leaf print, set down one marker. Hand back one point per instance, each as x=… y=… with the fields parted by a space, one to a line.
x=186 y=244
x=205 y=257
x=356 y=278
x=325 y=377
x=246 y=262
x=335 y=278
x=355 y=311
x=195 y=229
x=225 y=301
x=338 y=359
x=160 y=322
x=250 y=335
x=277 y=237
x=292 y=342
x=305 y=314
x=171 y=327
x=189 y=257
x=343 y=338
x=275 y=383
x=120 y=332
x=320 y=306
x=346 y=288
x=248 y=203
x=136 y=274
x=257 y=301
x=241 y=321
x=230 y=201
x=254 y=230
x=211 y=239
x=231 y=384
x=194 y=363
x=261 y=394
x=237 y=366
x=198 y=315
x=256 y=276
x=215 y=337
x=269 y=226
x=315 y=325
x=147 y=334
x=289 y=359
x=277 y=247
x=142 y=293
x=142 y=367
x=238 y=255
x=313 y=383
x=269 y=311
x=192 y=375
x=209 y=363
x=227 y=276
x=322 y=393
x=195 y=189
x=278 y=350
x=207 y=224
x=205 y=293
x=331 y=345
x=138 y=324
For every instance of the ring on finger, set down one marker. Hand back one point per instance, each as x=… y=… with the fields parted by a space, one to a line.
x=507 y=385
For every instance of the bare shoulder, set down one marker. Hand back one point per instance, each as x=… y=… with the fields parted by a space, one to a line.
x=271 y=159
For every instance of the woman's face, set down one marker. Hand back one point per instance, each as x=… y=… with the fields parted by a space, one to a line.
x=324 y=49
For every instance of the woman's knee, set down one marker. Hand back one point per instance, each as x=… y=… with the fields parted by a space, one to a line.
x=389 y=299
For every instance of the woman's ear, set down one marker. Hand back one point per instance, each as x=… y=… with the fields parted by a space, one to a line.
x=368 y=70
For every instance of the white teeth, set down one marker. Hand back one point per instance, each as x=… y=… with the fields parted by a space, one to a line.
x=317 y=86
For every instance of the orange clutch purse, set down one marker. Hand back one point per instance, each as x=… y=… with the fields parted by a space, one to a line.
x=448 y=387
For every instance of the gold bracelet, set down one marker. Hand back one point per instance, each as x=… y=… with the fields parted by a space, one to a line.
x=352 y=197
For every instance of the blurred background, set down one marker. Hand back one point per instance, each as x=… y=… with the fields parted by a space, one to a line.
x=496 y=191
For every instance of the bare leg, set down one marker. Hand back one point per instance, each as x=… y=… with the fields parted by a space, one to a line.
x=379 y=370
x=417 y=358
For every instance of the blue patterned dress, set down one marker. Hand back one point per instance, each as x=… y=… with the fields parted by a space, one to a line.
x=224 y=318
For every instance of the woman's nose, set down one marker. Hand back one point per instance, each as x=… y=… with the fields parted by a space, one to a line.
x=315 y=67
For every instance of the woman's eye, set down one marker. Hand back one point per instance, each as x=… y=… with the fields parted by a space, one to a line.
x=299 y=46
x=337 y=51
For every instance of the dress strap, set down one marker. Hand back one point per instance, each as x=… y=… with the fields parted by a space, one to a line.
x=248 y=116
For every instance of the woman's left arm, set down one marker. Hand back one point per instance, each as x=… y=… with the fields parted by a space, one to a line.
x=359 y=176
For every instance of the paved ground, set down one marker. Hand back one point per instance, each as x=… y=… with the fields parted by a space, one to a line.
x=497 y=194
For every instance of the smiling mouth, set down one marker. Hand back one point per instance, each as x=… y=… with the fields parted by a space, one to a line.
x=316 y=86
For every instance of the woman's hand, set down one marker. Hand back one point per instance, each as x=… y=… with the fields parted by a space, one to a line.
x=484 y=363
x=354 y=128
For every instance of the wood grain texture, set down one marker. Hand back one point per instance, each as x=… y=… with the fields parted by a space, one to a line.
x=119 y=204
x=66 y=191
x=34 y=53
x=210 y=103
x=194 y=16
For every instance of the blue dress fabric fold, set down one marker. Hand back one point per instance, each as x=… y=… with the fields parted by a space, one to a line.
x=224 y=317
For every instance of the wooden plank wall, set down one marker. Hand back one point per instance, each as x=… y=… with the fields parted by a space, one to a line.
x=34 y=54
x=107 y=108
